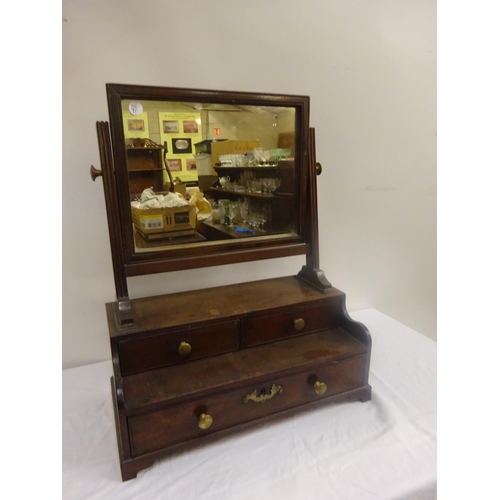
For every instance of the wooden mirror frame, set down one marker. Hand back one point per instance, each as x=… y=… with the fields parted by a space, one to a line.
x=128 y=263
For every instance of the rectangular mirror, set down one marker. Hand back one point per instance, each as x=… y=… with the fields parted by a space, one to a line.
x=207 y=177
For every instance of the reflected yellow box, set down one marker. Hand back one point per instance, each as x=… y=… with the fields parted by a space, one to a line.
x=179 y=221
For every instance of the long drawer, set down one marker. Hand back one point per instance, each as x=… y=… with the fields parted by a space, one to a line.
x=184 y=421
x=173 y=347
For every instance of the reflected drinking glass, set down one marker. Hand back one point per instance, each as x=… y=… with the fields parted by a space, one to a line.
x=215 y=212
x=224 y=209
x=258 y=154
x=244 y=209
x=262 y=219
x=232 y=212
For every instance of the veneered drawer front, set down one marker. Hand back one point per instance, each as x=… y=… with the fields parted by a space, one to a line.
x=181 y=422
x=165 y=349
x=284 y=325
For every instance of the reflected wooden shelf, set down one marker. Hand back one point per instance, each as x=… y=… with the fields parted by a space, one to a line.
x=214 y=231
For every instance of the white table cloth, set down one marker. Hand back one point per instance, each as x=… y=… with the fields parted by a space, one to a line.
x=381 y=449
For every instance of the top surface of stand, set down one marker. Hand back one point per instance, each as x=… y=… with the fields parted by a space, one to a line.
x=163 y=311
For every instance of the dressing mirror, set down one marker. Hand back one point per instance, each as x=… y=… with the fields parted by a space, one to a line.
x=200 y=178
x=196 y=178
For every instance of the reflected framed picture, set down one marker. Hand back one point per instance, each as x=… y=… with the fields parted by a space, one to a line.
x=190 y=126
x=191 y=164
x=135 y=125
x=170 y=127
x=182 y=146
x=175 y=165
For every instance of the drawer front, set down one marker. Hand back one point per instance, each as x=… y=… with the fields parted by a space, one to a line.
x=178 y=347
x=284 y=325
x=185 y=421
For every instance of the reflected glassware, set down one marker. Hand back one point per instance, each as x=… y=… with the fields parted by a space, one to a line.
x=252 y=219
x=250 y=160
x=256 y=186
x=258 y=154
x=233 y=212
x=262 y=219
x=266 y=156
x=267 y=185
x=224 y=209
x=215 y=212
x=244 y=209
x=225 y=181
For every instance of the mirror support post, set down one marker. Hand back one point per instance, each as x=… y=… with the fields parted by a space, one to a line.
x=124 y=307
x=311 y=272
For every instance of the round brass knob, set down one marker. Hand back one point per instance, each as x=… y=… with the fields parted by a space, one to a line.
x=320 y=387
x=205 y=421
x=319 y=168
x=299 y=324
x=184 y=348
x=94 y=173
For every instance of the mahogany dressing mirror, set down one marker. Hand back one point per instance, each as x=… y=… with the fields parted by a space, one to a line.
x=196 y=178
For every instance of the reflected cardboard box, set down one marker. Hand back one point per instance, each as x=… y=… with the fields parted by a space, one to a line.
x=160 y=223
x=206 y=146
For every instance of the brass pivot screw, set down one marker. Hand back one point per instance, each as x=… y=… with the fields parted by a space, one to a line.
x=94 y=173
x=205 y=421
x=320 y=387
x=184 y=348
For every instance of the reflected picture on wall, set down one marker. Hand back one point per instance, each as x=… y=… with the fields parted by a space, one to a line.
x=170 y=127
x=182 y=146
x=190 y=127
x=136 y=125
x=174 y=165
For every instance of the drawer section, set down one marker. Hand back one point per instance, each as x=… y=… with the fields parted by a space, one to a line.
x=279 y=326
x=189 y=420
x=163 y=349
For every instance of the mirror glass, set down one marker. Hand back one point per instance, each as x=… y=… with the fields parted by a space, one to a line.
x=208 y=172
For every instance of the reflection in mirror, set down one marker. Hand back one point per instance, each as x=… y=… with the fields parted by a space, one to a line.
x=205 y=173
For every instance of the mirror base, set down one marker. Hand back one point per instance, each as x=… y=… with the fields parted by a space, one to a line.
x=315 y=277
x=124 y=314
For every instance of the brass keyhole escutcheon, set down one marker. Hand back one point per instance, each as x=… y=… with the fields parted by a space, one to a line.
x=320 y=387
x=205 y=421
x=299 y=324
x=262 y=397
x=184 y=348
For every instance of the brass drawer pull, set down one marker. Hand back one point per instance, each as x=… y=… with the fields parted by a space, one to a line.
x=184 y=348
x=205 y=421
x=262 y=398
x=320 y=387
x=299 y=324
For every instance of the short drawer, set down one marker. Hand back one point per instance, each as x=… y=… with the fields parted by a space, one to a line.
x=284 y=325
x=182 y=422
x=163 y=349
